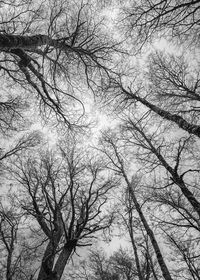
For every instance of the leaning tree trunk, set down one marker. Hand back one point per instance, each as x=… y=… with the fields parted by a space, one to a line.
x=182 y=123
x=178 y=180
x=162 y=264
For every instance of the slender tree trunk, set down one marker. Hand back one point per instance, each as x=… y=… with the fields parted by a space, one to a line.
x=179 y=182
x=8 y=266
x=163 y=266
x=9 y=274
x=152 y=267
x=135 y=250
x=136 y=259
x=175 y=177
x=182 y=123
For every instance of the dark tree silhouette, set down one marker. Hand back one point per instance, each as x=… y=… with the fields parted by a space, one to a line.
x=66 y=195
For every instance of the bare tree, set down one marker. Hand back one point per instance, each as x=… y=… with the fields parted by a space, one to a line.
x=123 y=264
x=23 y=144
x=149 y=20
x=66 y=195
x=111 y=148
x=170 y=186
x=13 y=253
x=145 y=263
x=12 y=115
x=15 y=149
x=179 y=225
x=99 y=266
x=8 y=234
x=48 y=48
x=174 y=83
x=128 y=95
x=152 y=147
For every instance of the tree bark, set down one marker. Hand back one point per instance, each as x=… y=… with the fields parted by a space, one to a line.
x=9 y=42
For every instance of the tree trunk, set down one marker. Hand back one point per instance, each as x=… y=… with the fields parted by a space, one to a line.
x=135 y=250
x=175 y=177
x=179 y=182
x=182 y=123
x=9 y=42
x=163 y=267
x=9 y=274
x=62 y=260
x=46 y=269
x=8 y=267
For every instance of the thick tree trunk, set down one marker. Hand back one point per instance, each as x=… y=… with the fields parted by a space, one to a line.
x=62 y=260
x=182 y=123
x=46 y=269
x=9 y=42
